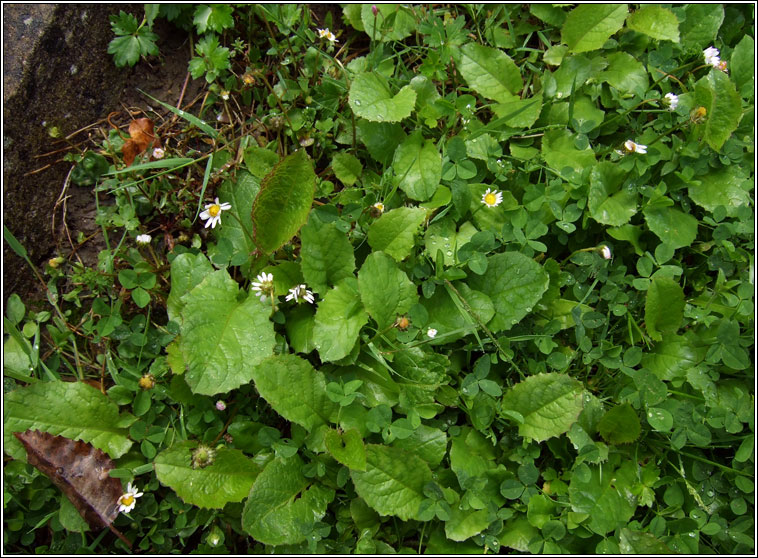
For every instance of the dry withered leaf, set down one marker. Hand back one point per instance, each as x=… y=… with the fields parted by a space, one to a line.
x=141 y=133
x=81 y=472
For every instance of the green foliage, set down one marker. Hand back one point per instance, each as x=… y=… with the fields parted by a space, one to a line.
x=477 y=284
x=133 y=39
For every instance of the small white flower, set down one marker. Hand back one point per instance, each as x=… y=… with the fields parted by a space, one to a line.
x=127 y=501
x=492 y=198
x=264 y=285
x=431 y=333
x=220 y=405
x=144 y=239
x=212 y=213
x=379 y=206
x=326 y=34
x=632 y=147
x=225 y=95
x=671 y=101
x=722 y=66
x=158 y=153
x=711 y=55
x=605 y=252
x=300 y=291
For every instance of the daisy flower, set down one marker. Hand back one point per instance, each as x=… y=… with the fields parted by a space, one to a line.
x=671 y=101
x=127 y=501
x=605 y=252
x=300 y=291
x=144 y=239
x=431 y=333
x=632 y=147
x=711 y=55
x=264 y=286
x=326 y=34
x=492 y=198
x=220 y=405
x=158 y=153
x=212 y=213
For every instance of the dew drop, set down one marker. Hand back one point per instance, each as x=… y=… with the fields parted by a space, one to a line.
x=357 y=103
x=449 y=252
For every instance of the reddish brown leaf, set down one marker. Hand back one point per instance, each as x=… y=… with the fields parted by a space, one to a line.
x=81 y=472
x=140 y=135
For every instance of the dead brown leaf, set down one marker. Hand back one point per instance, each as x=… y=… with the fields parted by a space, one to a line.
x=141 y=134
x=81 y=472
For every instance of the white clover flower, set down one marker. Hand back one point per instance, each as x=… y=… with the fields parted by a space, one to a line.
x=326 y=34
x=492 y=198
x=127 y=501
x=605 y=251
x=711 y=55
x=212 y=213
x=158 y=153
x=300 y=291
x=144 y=239
x=431 y=333
x=671 y=101
x=264 y=285
x=632 y=147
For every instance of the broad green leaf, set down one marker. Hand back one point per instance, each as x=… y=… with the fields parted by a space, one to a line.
x=347 y=168
x=595 y=494
x=284 y=200
x=517 y=533
x=559 y=151
x=240 y=194
x=451 y=321
x=70 y=409
x=489 y=71
x=699 y=24
x=429 y=443
x=16 y=362
x=673 y=357
x=327 y=255
x=347 y=448
x=187 y=271
x=656 y=22
x=471 y=455
x=223 y=338
x=514 y=283
x=637 y=542
x=441 y=235
x=608 y=201
x=370 y=98
x=393 y=22
x=227 y=479
x=380 y=138
x=463 y=525
x=339 y=319
x=283 y=505
x=620 y=425
x=626 y=73
x=299 y=325
x=724 y=187
x=393 y=483
x=385 y=290
x=518 y=112
x=675 y=228
x=742 y=65
x=259 y=161
x=276 y=379
x=586 y=115
x=588 y=26
x=664 y=307
x=418 y=167
x=393 y=232
x=549 y=403
x=717 y=94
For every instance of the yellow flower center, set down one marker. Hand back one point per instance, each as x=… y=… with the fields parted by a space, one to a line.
x=490 y=199
x=214 y=210
x=127 y=500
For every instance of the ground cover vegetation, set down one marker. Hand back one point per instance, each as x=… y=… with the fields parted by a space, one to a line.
x=451 y=278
